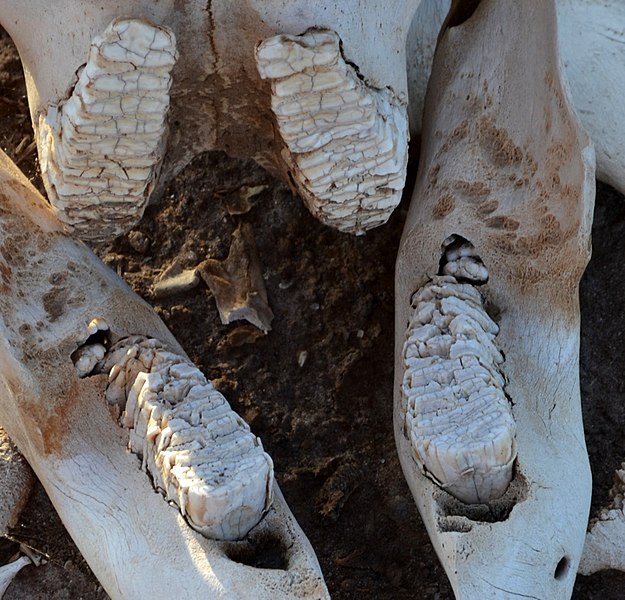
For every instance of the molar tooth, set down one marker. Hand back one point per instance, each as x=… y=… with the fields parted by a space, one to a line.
x=116 y=114
x=201 y=455
x=330 y=120
x=458 y=416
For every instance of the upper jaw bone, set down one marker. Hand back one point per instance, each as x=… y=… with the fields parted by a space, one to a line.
x=136 y=544
x=505 y=165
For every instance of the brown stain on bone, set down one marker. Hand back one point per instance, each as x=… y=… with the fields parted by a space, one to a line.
x=445 y=205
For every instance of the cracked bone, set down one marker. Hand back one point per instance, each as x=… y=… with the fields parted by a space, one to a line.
x=506 y=166
x=215 y=99
x=54 y=292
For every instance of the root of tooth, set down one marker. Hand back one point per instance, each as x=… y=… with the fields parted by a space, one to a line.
x=200 y=454
x=457 y=414
x=347 y=143
x=100 y=149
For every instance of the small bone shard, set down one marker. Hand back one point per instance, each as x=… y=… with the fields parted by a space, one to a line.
x=457 y=415
x=8 y=572
x=100 y=149
x=347 y=143
x=200 y=454
x=237 y=282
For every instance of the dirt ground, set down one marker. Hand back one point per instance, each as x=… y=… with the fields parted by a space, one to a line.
x=327 y=423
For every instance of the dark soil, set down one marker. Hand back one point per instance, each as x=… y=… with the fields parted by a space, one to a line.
x=327 y=423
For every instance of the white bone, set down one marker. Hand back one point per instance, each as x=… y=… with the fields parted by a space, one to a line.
x=9 y=571
x=496 y=113
x=136 y=544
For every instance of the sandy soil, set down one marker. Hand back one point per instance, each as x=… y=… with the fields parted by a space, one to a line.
x=326 y=422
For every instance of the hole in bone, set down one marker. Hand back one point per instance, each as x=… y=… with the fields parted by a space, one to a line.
x=460 y=260
x=562 y=569
x=262 y=551
x=88 y=356
x=460 y=12
x=456 y=516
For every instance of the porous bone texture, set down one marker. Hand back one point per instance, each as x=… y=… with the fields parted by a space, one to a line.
x=100 y=149
x=199 y=452
x=457 y=415
x=346 y=143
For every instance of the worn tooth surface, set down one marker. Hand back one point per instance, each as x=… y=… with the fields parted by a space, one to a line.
x=347 y=142
x=201 y=455
x=101 y=148
x=457 y=414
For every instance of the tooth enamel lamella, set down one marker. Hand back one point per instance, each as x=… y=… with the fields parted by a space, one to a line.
x=101 y=148
x=347 y=142
x=199 y=452
x=457 y=414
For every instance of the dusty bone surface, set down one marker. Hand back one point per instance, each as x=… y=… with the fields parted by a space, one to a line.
x=218 y=100
x=63 y=427
x=515 y=178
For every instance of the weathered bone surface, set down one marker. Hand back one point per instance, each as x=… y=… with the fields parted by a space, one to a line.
x=54 y=295
x=592 y=51
x=604 y=547
x=347 y=142
x=218 y=100
x=99 y=150
x=456 y=413
x=505 y=166
x=9 y=571
x=200 y=453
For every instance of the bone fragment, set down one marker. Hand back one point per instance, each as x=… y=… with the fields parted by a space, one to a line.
x=237 y=282
x=201 y=455
x=346 y=142
x=16 y=482
x=175 y=280
x=457 y=414
x=8 y=572
x=605 y=539
x=506 y=166
x=101 y=148
x=55 y=294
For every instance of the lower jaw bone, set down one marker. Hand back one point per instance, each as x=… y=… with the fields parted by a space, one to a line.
x=51 y=288
x=346 y=143
x=506 y=167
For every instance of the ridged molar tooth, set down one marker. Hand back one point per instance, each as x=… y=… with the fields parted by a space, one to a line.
x=201 y=455
x=346 y=142
x=458 y=417
x=115 y=115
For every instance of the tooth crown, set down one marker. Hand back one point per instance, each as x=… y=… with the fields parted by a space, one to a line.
x=457 y=415
x=201 y=454
x=100 y=149
x=347 y=143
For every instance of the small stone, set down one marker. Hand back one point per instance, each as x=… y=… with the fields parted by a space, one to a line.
x=139 y=241
x=301 y=358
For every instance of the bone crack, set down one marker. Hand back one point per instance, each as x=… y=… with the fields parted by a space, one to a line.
x=346 y=142
x=101 y=148
x=201 y=455
x=457 y=415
